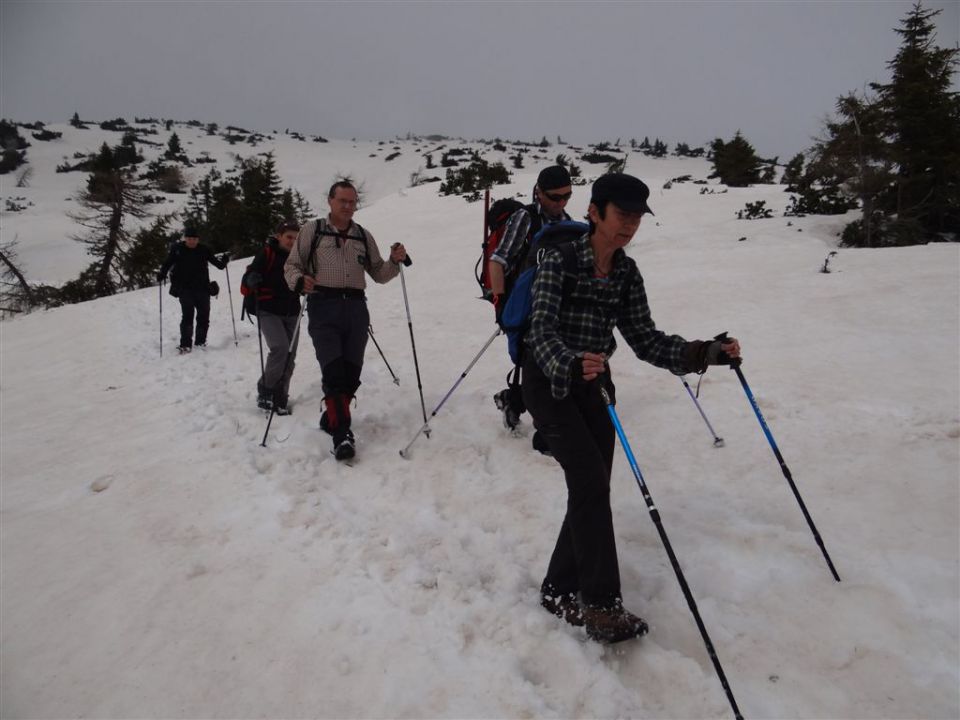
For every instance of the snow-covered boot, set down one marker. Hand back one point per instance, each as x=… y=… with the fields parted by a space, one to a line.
x=612 y=623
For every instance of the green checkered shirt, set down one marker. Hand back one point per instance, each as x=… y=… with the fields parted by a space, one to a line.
x=563 y=328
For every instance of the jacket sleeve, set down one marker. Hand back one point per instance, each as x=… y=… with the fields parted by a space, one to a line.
x=380 y=269
x=298 y=261
x=555 y=359
x=213 y=259
x=169 y=262
x=515 y=234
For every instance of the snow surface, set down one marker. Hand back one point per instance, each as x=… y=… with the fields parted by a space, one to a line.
x=157 y=562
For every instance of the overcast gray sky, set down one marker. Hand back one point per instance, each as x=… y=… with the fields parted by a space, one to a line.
x=589 y=71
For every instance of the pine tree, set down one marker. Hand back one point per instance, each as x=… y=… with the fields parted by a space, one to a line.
x=792 y=172
x=173 y=148
x=111 y=197
x=922 y=118
x=735 y=163
x=75 y=121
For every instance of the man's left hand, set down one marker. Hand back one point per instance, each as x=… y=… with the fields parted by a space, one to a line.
x=398 y=253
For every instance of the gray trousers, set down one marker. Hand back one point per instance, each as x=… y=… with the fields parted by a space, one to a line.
x=277 y=331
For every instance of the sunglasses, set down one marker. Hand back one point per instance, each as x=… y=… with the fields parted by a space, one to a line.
x=555 y=197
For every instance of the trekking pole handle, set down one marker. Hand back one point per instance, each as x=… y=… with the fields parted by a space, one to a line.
x=406 y=261
x=734 y=362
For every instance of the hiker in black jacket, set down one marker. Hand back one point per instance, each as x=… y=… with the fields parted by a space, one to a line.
x=277 y=309
x=190 y=283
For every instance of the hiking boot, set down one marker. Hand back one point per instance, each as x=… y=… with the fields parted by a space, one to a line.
x=511 y=418
x=283 y=410
x=564 y=606
x=344 y=445
x=265 y=403
x=183 y=349
x=612 y=623
x=540 y=445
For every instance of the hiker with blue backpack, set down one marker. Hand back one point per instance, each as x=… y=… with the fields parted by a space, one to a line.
x=277 y=309
x=328 y=263
x=551 y=194
x=582 y=289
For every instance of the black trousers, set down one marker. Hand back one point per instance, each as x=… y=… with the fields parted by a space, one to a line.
x=338 y=328
x=581 y=436
x=194 y=301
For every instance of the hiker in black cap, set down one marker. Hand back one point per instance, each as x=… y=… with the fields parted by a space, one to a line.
x=190 y=284
x=570 y=345
x=551 y=194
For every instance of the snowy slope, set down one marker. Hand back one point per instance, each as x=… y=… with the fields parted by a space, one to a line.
x=157 y=562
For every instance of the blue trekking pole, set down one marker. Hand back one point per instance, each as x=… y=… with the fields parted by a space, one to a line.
x=717 y=440
x=735 y=366
x=655 y=516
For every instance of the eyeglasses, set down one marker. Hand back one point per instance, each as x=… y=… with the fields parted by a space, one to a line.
x=558 y=198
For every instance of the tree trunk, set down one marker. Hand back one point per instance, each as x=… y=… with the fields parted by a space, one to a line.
x=24 y=285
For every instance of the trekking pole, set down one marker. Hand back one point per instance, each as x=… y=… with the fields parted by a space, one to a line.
x=413 y=344
x=396 y=380
x=735 y=366
x=404 y=453
x=286 y=365
x=655 y=516
x=717 y=440
x=260 y=338
x=236 y=342
x=160 y=288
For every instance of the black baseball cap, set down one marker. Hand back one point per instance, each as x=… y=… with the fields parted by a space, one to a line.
x=625 y=191
x=553 y=177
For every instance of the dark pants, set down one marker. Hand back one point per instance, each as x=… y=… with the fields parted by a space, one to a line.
x=581 y=436
x=338 y=328
x=190 y=301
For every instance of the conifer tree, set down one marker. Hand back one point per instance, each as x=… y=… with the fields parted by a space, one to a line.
x=111 y=197
x=922 y=123
x=735 y=163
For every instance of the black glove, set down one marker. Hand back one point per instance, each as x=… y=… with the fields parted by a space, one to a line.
x=225 y=258
x=253 y=280
x=161 y=276
x=716 y=355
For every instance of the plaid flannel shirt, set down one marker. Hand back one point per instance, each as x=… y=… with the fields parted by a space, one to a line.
x=563 y=328
x=514 y=238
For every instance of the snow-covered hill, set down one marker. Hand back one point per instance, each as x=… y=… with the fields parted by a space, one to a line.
x=157 y=562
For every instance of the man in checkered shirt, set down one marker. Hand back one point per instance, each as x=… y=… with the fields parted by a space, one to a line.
x=569 y=344
x=333 y=278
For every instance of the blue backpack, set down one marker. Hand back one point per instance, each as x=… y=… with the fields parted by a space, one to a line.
x=515 y=319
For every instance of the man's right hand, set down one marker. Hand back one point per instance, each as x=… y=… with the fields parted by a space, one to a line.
x=161 y=276
x=308 y=283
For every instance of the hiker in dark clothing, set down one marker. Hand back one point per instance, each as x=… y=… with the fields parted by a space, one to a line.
x=569 y=344
x=190 y=283
x=278 y=309
x=328 y=263
x=551 y=194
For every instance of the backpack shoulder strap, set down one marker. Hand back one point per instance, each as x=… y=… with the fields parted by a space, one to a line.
x=568 y=252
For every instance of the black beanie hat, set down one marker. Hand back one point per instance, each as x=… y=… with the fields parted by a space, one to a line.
x=190 y=231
